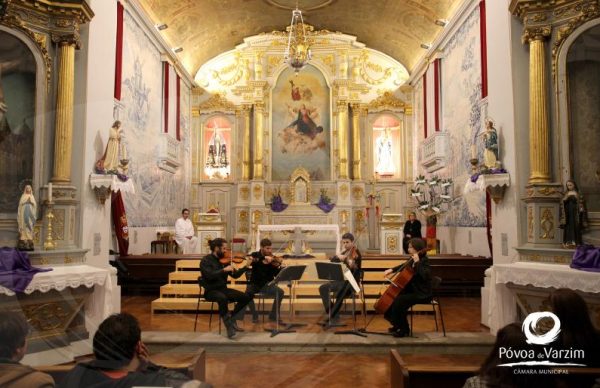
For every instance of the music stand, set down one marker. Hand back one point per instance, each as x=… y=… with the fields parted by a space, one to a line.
x=330 y=272
x=288 y=274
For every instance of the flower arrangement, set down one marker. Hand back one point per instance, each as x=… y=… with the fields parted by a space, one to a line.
x=325 y=202
x=277 y=204
x=432 y=194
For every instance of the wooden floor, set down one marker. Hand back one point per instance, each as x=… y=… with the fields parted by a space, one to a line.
x=300 y=369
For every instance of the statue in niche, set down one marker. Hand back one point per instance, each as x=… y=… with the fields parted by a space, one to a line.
x=300 y=191
x=490 y=143
x=223 y=156
x=300 y=186
x=26 y=217
x=573 y=215
x=385 y=161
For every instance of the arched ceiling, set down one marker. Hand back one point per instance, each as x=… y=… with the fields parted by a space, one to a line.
x=206 y=28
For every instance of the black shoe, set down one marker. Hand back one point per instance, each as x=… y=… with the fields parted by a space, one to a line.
x=254 y=319
x=392 y=329
x=400 y=333
x=235 y=326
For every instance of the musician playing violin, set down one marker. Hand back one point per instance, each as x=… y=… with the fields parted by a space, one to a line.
x=418 y=290
x=265 y=267
x=351 y=257
x=214 y=281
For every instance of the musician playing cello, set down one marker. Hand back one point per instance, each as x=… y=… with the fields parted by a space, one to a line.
x=351 y=257
x=418 y=290
x=264 y=269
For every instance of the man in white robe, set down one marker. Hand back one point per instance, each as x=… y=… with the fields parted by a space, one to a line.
x=184 y=234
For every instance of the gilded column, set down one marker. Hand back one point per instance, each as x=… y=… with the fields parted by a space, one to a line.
x=342 y=108
x=246 y=150
x=259 y=110
x=63 y=135
x=356 y=140
x=539 y=156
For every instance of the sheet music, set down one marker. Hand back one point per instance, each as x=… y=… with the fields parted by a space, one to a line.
x=350 y=278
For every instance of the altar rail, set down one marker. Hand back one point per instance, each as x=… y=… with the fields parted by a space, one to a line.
x=464 y=276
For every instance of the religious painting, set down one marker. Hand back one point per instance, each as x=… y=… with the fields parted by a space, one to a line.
x=17 y=112
x=216 y=142
x=301 y=125
x=386 y=146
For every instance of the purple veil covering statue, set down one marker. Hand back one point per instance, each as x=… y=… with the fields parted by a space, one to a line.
x=277 y=204
x=16 y=271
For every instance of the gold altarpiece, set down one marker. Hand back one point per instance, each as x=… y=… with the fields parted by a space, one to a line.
x=238 y=86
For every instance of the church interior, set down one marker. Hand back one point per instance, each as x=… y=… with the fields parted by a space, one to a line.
x=328 y=142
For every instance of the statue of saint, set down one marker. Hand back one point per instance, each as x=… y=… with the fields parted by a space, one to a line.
x=26 y=217
x=490 y=142
x=385 y=161
x=573 y=215
x=110 y=159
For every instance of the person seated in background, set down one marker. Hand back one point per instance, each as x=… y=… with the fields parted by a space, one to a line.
x=13 y=346
x=412 y=229
x=491 y=375
x=264 y=269
x=122 y=360
x=184 y=234
x=576 y=328
x=352 y=258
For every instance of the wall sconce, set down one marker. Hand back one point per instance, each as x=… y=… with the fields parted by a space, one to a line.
x=425 y=46
x=161 y=27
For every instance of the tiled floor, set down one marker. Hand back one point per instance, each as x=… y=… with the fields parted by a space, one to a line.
x=300 y=369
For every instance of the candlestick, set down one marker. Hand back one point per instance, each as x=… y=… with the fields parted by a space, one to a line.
x=49 y=244
x=473 y=151
x=50 y=192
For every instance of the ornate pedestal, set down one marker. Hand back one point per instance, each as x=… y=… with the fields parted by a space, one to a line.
x=543 y=214
x=390 y=234
x=209 y=227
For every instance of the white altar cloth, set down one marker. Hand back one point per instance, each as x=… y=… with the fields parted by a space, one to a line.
x=290 y=227
x=502 y=308
x=97 y=307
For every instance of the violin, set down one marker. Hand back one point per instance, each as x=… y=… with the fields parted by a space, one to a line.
x=230 y=259
x=351 y=255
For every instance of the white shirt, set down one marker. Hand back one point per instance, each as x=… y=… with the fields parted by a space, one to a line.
x=183 y=229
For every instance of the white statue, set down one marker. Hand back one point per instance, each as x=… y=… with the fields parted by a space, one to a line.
x=26 y=217
x=385 y=161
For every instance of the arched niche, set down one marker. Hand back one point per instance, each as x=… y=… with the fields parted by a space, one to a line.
x=23 y=92
x=578 y=94
x=217 y=145
x=386 y=146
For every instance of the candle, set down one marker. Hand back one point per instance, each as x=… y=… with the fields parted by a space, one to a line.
x=473 y=151
x=50 y=192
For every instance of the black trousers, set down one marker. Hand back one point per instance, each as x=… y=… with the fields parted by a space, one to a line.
x=341 y=288
x=273 y=290
x=398 y=311
x=225 y=295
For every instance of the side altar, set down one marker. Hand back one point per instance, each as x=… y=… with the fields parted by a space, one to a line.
x=299 y=234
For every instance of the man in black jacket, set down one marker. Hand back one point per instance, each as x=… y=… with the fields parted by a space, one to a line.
x=412 y=229
x=214 y=282
x=418 y=290
x=264 y=269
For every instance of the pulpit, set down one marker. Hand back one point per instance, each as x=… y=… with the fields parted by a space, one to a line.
x=209 y=226
x=390 y=234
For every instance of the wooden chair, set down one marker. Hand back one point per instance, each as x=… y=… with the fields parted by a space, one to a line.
x=212 y=306
x=435 y=303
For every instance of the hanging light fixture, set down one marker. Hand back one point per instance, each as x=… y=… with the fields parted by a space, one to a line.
x=297 y=53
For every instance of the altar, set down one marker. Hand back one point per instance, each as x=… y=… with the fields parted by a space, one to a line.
x=297 y=230
x=518 y=289
x=64 y=307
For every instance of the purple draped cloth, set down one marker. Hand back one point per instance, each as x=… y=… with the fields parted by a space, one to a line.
x=586 y=258
x=277 y=205
x=325 y=205
x=16 y=271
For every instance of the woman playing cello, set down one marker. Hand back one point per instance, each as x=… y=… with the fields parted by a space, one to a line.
x=418 y=290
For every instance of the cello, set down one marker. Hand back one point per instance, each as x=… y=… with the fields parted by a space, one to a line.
x=399 y=281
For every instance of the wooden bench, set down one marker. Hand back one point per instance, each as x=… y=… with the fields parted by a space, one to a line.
x=192 y=365
x=433 y=370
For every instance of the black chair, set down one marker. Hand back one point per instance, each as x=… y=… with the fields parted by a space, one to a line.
x=259 y=295
x=202 y=284
x=435 y=302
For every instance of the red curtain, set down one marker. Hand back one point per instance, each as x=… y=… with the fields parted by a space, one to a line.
x=120 y=223
x=483 y=38
x=178 y=118
x=166 y=95
x=425 y=103
x=119 y=52
x=437 y=86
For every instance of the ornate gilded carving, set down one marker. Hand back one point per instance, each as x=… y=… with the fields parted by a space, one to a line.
x=530 y=223
x=547 y=259
x=239 y=67
x=365 y=67
x=391 y=244
x=298 y=175
x=547 y=224
x=358 y=193
x=535 y=33
x=257 y=191
x=359 y=221
x=273 y=62
x=47 y=316
x=59 y=224
x=244 y=193
x=547 y=191
x=243 y=221
x=386 y=101
x=328 y=60
x=344 y=190
x=217 y=103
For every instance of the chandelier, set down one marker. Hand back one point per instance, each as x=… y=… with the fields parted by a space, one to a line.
x=297 y=53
